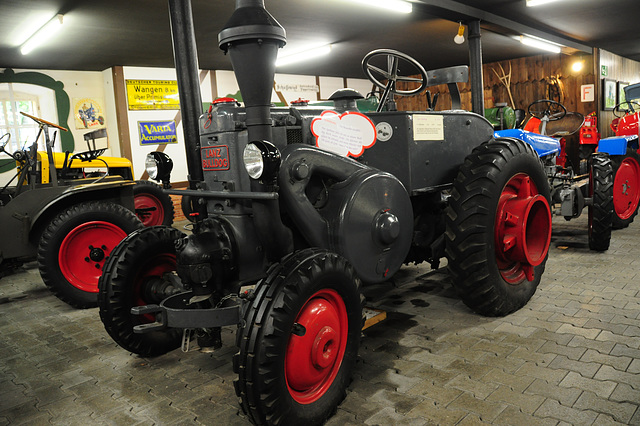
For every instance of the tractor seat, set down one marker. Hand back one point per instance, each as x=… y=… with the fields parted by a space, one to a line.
x=567 y=125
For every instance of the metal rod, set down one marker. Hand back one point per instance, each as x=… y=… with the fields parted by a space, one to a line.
x=224 y=194
x=475 y=64
x=186 y=62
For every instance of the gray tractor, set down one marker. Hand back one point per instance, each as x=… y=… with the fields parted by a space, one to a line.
x=300 y=207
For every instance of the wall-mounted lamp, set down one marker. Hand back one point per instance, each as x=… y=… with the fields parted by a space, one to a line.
x=43 y=34
x=399 y=6
x=540 y=44
x=459 y=38
x=578 y=65
x=304 y=55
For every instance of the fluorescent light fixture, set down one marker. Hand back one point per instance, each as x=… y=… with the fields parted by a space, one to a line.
x=43 y=34
x=532 y=3
x=304 y=55
x=398 y=6
x=540 y=44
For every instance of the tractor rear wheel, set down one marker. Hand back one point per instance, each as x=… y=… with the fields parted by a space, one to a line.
x=153 y=206
x=601 y=209
x=626 y=188
x=75 y=246
x=138 y=274
x=298 y=340
x=498 y=227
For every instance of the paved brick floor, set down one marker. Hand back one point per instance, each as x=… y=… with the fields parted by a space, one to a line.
x=571 y=356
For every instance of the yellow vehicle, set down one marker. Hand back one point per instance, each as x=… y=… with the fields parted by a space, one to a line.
x=152 y=205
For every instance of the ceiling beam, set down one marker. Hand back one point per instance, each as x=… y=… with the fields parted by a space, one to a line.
x=454 y=11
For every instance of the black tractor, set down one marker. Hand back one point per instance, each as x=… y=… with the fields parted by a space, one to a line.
x=300 y=207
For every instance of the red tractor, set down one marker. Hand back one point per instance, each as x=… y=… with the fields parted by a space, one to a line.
x=626 y=160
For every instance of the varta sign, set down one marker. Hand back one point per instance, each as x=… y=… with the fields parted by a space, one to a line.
x=156 y=132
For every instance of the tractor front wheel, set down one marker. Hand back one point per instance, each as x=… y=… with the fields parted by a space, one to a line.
x=153 y=206
x=75 y=246
x=498 y=227
x=626 y=188
x=299 y=339
x=601 y=208
x=141 y=271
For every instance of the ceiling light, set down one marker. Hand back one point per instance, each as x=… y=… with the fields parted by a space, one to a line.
x=304 y=55
x=540 y=44
x=532 y=3
x=459 y=38
x=399 y=6
x=43 y=34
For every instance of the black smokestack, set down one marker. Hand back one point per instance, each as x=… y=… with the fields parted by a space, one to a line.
x=252 y=38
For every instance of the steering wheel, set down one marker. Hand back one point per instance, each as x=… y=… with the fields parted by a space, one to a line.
x=623 y=112
x=4 y=142
x=547 y=108
x=394 y=60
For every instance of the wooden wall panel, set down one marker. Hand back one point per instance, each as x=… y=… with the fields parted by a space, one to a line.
x=529 y=82
x=619 y=69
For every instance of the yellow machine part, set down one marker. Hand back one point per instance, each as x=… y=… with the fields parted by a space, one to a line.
x=58 y=158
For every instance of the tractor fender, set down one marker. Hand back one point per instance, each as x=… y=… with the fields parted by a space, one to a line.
x=617 y=145
x=118 y=192
x=543 y=145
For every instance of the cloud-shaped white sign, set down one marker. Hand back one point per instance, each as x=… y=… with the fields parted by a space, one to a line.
x=347 y=134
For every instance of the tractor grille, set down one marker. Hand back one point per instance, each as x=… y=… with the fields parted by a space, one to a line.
x=294 y=136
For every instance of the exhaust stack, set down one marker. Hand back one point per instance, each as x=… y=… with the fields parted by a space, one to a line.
x=252 y=38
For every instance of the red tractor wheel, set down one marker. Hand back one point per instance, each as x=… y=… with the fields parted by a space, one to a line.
x=140 y=272
x=153 y=206
x=498 y=227
x=298 y=340
x=75 y=246
x=626 y=188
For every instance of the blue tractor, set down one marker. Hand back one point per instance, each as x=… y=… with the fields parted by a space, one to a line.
x=572 y=191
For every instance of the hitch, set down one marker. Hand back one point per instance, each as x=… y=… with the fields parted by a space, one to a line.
x=174 y=312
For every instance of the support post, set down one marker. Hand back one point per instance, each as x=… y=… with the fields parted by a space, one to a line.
x=475 y=64
x=186 y=63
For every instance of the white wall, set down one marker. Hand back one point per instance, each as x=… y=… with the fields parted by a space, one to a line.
x=100 y=85
x=176 y=150
x=77 y=84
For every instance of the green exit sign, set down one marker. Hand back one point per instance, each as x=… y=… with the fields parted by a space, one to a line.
x=604 y=70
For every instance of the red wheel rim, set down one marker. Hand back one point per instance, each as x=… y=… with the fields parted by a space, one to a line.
x=84 y=250
x=626 y=188
x=154 y=267
x=152 y=217
x=313 y=360
x=522 y=229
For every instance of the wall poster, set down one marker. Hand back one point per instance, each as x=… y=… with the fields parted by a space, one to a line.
x=88 y=113
x=152 y=94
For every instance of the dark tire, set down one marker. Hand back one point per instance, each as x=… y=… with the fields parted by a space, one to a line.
x=153 y=206
x=498 y=227
x=75 y=246
x=601 y=210
x=298 y=340
x=626 y=188
x=133 y=276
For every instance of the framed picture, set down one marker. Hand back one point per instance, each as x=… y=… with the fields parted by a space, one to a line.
x=621 y=86
x=609 y=94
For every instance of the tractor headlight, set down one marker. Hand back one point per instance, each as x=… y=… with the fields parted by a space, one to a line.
x=158 y=165
x=261 y=160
